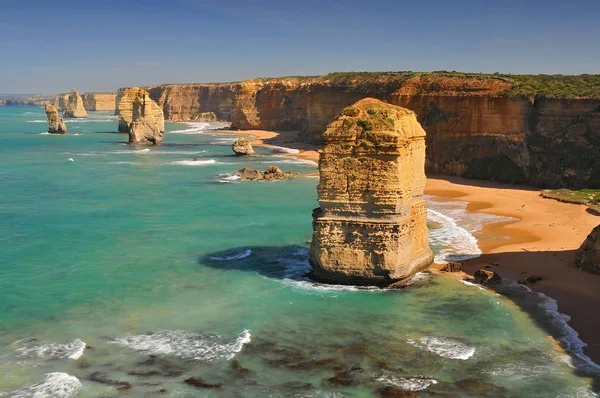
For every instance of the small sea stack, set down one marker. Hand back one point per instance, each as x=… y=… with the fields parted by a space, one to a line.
x=588 y=255
x=71 y=104
x=56 y=125
x=242 y=147
x=371 y=226
x=141 y=117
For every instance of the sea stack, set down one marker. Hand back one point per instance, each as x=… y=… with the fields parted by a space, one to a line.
x=55 y=123
x=242 y=147
x=588 y=256
x=141 y=117
x=371 y=226
x=71 y=105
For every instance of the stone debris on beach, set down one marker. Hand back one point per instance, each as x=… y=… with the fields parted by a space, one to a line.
x=242 y=147
x=486 y=278
x=452 y=267
x=56 y=124
x=272 y=173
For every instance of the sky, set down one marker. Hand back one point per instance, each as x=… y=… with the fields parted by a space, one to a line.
x=94 y=45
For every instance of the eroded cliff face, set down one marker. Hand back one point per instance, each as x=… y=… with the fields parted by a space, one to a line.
x=70 y=104
x=371 y=226
x=473 y=129
x=588 y=255
x=141 y=117
x=99 y=101
x=56 y=125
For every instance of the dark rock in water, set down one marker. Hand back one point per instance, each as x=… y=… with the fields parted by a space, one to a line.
x=395 y=392
x=239 y=369
x=297 y=385
x=165 y=368
x=452 y=267
x=534 y=278
x=149 y=373
x=478 y=388
x=162 y=391
x=199 y=383
x=250 y=174
x=346 y=377
x=271 y=174
x=102 y=378
x=486 y=278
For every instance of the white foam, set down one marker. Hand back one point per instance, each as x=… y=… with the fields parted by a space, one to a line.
x=444 y=347
x=457 y=244
x=46 y=133
x=239 y=256
x=72 y=350
x=54 y=385
x=193 y=162
x=131 y=163
x=471 y=284
x=291 y=161
x=410 y=384
x=281 y=149
x=186 y=345
x=70 y=160
x=226 y=177
x=195 y=128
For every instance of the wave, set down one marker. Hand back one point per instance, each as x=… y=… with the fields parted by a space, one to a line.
x=167 y=152
x=455 y=242
x=410 y=384
x=195 y=128
x=446 y=348
x=203 y=347
x=239 y=256
x=227 y=178
x=32 y=347
x=70 y=160
x=291 y=161
x=193 y=162
x=281 y=149
x=54 y=385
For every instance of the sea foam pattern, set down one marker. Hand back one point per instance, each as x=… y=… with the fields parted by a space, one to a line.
x=202 y=347
x=54 y=385
x=410 y=384
x=45 y=350
x=446 y=348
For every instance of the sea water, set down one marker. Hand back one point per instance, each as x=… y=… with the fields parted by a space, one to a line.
x=129 y=270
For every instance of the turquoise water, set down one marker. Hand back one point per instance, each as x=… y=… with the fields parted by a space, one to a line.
x=126 y=270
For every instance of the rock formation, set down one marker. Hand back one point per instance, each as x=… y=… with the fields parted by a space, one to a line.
x=242 y=147
x=588 y=255
x=99 y=101
x=272 y=173
x=55 y=123
x=141 y=117
x=371 y=226
x=477 y=126
x=71 y=105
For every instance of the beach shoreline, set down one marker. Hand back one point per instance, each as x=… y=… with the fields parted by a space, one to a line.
x=540 y=240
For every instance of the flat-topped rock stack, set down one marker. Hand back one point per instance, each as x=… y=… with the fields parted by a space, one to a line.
x=56 y=125
x=70 y=104
x=371 y=226
x=141 y=117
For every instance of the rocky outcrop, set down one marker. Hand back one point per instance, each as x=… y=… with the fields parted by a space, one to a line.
x=272 y=173
x=141 y=117
x=486 y=278
x=55 y=123
x=70 y=104
x=588 y=255
x=204 y=117
x=371 y=226
x=242 y=147
x=99 y=101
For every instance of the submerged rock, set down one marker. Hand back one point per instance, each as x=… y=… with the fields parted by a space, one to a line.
x=199 y=383
x=242 y=147
x=141 y=117
x=71 y=105
x=271 y=174
x=55 y=123
x=588 y=255
x=371 y=226
x=486 y=278
x=395 y=392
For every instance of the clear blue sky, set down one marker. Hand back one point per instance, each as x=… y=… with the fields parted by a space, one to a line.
x=51 y=46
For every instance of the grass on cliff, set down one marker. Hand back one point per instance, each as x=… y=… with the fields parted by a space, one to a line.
x=588 y=197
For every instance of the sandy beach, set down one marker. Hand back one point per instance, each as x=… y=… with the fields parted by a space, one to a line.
x=541 y=241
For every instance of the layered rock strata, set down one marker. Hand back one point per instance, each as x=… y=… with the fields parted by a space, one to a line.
x=70 y=104
x=371 y=226
x=56 y=125
x=99 y=101
x=141 y=117
x=242 y=147
x=588 y=255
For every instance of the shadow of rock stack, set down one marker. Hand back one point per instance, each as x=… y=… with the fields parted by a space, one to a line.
x=371 y=226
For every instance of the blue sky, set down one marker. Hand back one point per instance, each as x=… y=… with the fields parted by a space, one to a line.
x=51 y=46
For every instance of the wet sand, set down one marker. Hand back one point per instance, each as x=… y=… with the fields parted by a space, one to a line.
x=541 y=241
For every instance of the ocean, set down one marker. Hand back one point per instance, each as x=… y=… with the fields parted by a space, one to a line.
x=139 y=272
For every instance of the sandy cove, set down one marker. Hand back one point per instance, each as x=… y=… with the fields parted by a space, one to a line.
x=542 y=239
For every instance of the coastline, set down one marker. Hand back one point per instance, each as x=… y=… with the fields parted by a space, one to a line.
x=541 y=240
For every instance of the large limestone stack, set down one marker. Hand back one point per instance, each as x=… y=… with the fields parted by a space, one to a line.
x=70 y=104
x=371 y=226
x=55 y=123
x=588 y=255
x=99 y=101
x=141 y=117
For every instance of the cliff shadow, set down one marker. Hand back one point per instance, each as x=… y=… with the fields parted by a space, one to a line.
x=479 y=183
x=563 y=289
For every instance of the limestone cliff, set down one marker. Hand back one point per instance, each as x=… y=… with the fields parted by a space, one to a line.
x=141 y=117
x=70 y=104
x=55 y=123
x=478 y=126
x=371 y=226
x=99 y=101
x=588 y=255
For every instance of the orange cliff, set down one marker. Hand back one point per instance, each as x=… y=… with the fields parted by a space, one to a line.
x=477 y=126
x=99 y=101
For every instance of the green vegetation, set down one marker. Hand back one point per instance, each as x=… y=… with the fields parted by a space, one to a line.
x=364 y=124
x=588 y=197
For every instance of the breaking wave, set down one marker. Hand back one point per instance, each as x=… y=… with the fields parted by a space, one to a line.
x=195 y=128
x=455 y=243
x=410 y=384
x=281 y=149
x=40 y=349
x=54 y=385
x=193 y=162
x=203 y=347
x=444 y=347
